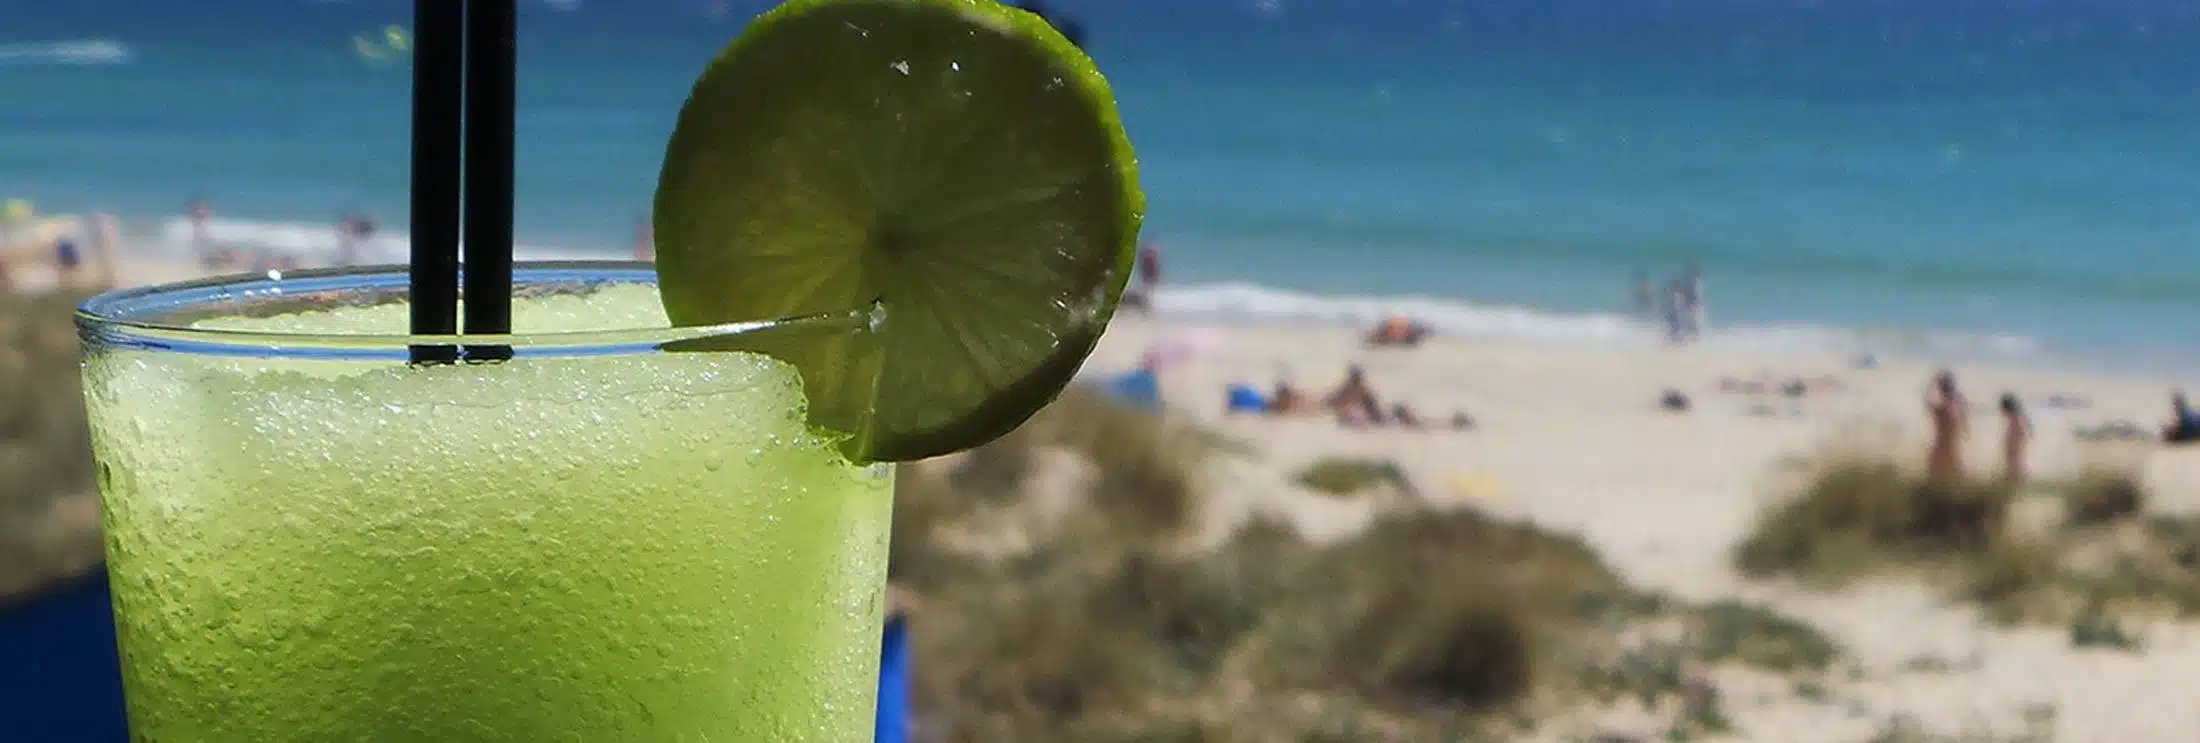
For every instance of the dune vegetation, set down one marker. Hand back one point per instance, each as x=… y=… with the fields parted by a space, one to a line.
x=48 y=517
x=2085 y=551
x=1432 y=624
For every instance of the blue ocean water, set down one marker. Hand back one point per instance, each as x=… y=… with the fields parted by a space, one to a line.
x=1944 y=177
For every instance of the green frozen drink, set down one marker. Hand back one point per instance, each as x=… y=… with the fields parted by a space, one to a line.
x=597 y=540
x=657 y=510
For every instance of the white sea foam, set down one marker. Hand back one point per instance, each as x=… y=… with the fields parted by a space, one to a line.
x=1253 y=304
x=312 y=243
x=66 y=52
x=1250 y=304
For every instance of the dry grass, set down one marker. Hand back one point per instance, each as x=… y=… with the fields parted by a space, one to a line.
x=1859 y=514
x=2102 y=494
x=2104 y=557
x=1348 y=476
x=48 y=525
x=1430 y=625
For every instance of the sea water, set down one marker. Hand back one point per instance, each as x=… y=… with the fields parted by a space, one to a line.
x=1951 y=179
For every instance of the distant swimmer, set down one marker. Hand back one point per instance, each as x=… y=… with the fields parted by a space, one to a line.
x=1069 y=27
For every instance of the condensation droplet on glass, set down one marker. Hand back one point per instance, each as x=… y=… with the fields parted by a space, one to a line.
x=954 y=67
x=714 y=465
x=1054 y=83
x=901 y=66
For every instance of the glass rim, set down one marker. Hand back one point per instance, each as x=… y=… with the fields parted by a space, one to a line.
x=105 y=314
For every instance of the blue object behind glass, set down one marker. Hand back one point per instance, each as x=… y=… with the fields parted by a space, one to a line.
x=893 y=683
x=60 y=676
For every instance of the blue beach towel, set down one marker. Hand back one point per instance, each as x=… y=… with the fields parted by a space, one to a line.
x=1137 y=389
x=1242 y=398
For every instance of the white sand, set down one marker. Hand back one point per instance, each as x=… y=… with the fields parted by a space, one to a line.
x=1571 y=438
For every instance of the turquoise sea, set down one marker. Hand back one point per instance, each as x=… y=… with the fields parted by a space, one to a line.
x=1953 y=178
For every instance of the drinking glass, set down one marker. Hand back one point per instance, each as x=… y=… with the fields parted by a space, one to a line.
x=624 y=533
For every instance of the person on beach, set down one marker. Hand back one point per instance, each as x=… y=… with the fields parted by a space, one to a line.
x=2016 y=437
x=1288 y=400
x=1354 y=401
x=1397 y=331
x=1688 y=302
x=352 y=234
x=1674 y=308
x=201 y=214
x=106 y=239
x=1139 y=296
x=1646 y=296
x=347 y=241
x=1950 y=416
x=2184 y=422
x=68 y=259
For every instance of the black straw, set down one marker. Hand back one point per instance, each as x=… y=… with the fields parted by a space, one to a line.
x=438 y=77
x=492 y=28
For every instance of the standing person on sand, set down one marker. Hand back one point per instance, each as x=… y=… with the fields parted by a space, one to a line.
x=1950 y=416
x=1688 y=293
x=2016 y=436
x=1140 y=294
x=347 y=240
x=106 y=239
x=68 y=259
x=201 y=214
x=1646 y=296
x=1673 y=305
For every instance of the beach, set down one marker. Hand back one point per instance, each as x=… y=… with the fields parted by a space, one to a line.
x=1571 y=438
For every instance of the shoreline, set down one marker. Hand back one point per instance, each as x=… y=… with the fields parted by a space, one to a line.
x=1238 y=302
x=156 y=251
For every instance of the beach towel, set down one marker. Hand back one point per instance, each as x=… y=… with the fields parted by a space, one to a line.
x=1138 y=389
x=893 y=683
x=1242 y=398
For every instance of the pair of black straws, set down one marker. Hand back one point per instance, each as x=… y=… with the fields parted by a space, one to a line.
x=464 y=90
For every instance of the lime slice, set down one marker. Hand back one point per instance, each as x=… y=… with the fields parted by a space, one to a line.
x=956 y=161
